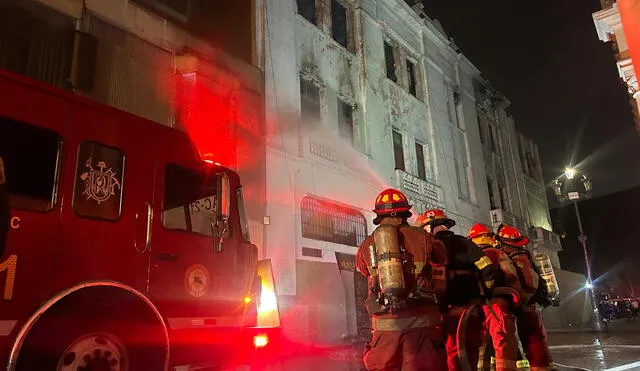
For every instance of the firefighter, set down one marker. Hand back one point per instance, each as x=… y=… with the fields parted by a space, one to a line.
x=531 y=329
x=398 y=261
x=4 y=208
x=467 y=263
x=500 y=322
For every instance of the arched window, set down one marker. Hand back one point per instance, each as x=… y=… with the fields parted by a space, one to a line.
x=328 y=221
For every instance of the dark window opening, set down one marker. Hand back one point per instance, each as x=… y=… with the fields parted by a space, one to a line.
x=309 y=101
x=398 y=150
x=345 y=121
x=492 y=138
x=311 y=252
x=328 y=221
x=31 y=158
x=339 y=22
x=411 y=71
x=190 y=200
x=98 y=182
x=481 y=131
x=390 y=62
x=422 y=172
x=492 y=199
x=179 y=6
x=307 y=9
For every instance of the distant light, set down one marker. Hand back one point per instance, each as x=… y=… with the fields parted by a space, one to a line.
x=247 y=299
x=588 y=285
x=209 y=161
x=569 y=173
x=260 y=341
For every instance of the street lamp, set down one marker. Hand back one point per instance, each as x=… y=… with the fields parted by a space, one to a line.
x=574 y=191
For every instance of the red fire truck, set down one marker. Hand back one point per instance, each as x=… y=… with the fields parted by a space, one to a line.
x=126 y=250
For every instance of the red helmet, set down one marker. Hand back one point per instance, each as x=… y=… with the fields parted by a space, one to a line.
x=434 y=216
x=511 y=236
x=478 y=230
x=391 y=202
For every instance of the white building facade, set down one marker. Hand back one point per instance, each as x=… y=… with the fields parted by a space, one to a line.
x=361 y=95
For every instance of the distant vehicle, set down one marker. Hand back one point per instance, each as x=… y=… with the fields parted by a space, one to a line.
x=126 y=249
x=620 y=308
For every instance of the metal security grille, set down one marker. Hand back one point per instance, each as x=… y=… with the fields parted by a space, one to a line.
x=131 y=74
x=327 y=221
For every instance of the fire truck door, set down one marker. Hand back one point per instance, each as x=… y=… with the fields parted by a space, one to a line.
x=110 y=171
x=31 y=141
x=188 y=278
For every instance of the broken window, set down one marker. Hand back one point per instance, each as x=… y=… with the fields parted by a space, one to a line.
x=390 y=62
x=339 y=22
x=327 y=221
x=345 y=121
x=307 y=9
x=309 y=101
x=411 y=72
x=422 y=171
x=398 y=150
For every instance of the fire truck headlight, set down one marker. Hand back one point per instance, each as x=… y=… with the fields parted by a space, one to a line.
x=260 y=341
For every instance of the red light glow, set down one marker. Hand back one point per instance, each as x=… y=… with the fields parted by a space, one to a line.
x=260 y=341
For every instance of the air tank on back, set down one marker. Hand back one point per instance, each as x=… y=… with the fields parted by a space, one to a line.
x=543 y=263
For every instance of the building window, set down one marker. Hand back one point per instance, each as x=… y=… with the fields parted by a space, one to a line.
x=190 y=199
x=398 y=150
x=492 y=199
x=462 y=164
x=98 y=183
x=31 y=157
x=339 y=22
x=390 y=62
x=422 y=171
x=307 y=9
x=327 y=221
x=309 y=101
x=178 y=9
x=481 y=131
x=411 y=74
x=345 y=121
x=492 y=137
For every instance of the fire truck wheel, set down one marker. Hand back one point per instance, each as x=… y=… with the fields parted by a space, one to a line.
x=96 y=338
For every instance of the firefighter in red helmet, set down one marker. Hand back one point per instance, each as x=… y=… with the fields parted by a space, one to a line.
x=533 y=294
x=464 y=292
x=500 y=321
x=398 y=261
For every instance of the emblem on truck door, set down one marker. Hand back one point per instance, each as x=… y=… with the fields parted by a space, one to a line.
x=101 y=184
x=197 y=280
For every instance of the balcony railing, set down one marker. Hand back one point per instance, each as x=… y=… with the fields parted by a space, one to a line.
x=501 y=216
x=539 y=234
x=423 y=194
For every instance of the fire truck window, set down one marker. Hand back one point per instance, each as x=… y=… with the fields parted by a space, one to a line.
x=98 y=181
x=190 y=200
x=31 y=158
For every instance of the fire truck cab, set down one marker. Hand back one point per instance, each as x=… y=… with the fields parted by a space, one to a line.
x=126 y=250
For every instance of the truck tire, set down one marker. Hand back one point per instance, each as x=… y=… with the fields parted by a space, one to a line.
x=93 y=339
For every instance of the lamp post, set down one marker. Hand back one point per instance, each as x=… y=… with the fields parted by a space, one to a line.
x=574 y=191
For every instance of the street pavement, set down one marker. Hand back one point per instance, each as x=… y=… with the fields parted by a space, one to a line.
x=617 y=349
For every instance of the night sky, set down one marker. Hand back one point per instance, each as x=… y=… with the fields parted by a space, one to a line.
x=565 y=92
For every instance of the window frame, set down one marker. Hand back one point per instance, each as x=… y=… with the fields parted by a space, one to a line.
x=416 y=79
x=76 y=177
x=395 y=132
x=315 y=12
x=229 y=232
x=360 y=226
x=421 y=164
x=316 y=86
x=389 y=46
x=242 y=213
x=53 y=201
x=347 y=42
x=343 y=104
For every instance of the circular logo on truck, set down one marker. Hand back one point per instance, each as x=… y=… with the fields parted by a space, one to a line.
x=197 y=280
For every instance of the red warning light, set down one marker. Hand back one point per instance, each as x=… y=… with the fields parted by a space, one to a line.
x=260 y=341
